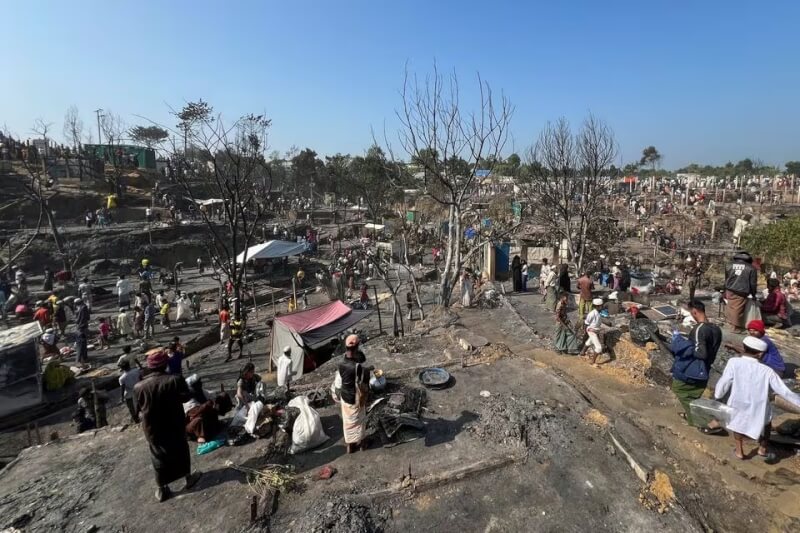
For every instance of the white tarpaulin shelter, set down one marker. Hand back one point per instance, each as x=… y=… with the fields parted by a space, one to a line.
x=20 y=369
x=272 y=250
x=311 y=328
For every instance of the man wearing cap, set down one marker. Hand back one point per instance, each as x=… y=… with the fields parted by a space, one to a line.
x=159 y=397
x=353 y=392
x=772 y=357
x=592 y=324
x=285 y=368
x=749 y=384
x=705 y=339
x=740 y=284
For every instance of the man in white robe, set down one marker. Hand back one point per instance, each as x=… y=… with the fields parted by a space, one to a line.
x=749 y=383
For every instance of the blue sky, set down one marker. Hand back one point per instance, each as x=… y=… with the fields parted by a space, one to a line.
x=706 y=81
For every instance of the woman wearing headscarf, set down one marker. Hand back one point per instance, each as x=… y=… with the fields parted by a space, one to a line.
x=516 y=273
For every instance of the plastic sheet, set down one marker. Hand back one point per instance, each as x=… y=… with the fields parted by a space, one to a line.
x=705 y=410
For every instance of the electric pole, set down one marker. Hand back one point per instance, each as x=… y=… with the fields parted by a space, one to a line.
x=99 y=135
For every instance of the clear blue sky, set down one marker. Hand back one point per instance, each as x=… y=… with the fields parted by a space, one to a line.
x=705 y=81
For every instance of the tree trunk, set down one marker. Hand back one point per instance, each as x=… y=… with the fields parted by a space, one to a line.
x=445 y=289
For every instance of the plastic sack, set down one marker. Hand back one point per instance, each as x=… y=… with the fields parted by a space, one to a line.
x=705 y=410
x=751 y=311
x=252 y=417
x=239 y=416
x=307 y=432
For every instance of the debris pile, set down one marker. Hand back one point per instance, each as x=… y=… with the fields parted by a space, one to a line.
x=339 y=517
x=520 y=421
x=658 y=494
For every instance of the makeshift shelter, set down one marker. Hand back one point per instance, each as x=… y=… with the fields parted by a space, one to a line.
x=310 y=329
x=272 y=250
x=20 y=368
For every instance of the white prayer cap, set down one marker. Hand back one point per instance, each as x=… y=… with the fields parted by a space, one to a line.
x=597 y=301
x=755 y=343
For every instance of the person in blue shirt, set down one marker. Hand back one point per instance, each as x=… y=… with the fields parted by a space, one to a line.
x=772 y=357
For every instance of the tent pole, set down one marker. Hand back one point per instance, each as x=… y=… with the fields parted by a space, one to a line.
x=294 y=292
x=378 y=307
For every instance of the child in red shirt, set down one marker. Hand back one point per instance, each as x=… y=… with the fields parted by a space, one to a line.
x=105 y=332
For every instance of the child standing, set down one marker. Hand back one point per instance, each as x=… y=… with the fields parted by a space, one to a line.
x=165 y=314
x=105 y=333
x=138 y=322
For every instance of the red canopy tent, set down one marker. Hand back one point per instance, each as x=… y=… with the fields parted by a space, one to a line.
x=311 y=328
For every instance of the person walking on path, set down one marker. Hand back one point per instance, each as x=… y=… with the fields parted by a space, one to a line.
x=160 y=398
x=592 y=324
x=749 y=383
x=224 y=324
x=693 y=359
x=82 y=318
x=740 y=285
x=124 y=290
x=150 y=312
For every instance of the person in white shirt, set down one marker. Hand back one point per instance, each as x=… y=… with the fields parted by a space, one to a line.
x=285 y=368
x=592 y=323
x=749 y=383
x=543 y=273
x=127 y=380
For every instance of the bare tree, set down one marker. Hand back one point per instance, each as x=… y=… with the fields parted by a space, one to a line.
x=73 y=128
x=40 y=127
x=450 y=145
x=230 y=167
x=568 y=180
x=114 y=131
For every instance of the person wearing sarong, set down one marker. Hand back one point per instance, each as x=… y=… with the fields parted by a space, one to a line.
x=564 y=340
x=740 y=282
x=551 y=296
x=160 y=398
x=353 y=393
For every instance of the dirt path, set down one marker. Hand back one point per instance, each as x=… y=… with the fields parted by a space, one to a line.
x=752 y=492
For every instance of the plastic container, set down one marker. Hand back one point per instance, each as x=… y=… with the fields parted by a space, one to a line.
x=705 y=410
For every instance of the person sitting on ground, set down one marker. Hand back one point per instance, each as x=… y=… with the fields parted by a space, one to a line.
x=128 y=378
x=49 y=342
x=246 y=385
x=772 y=357
x=285 y=371
x=690 y=378
x=749 y=384
x=202 y=416
x=773 y=309
x=84 y=416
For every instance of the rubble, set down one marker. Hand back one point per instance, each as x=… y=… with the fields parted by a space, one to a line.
x=520 y=421
x=339 y=516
